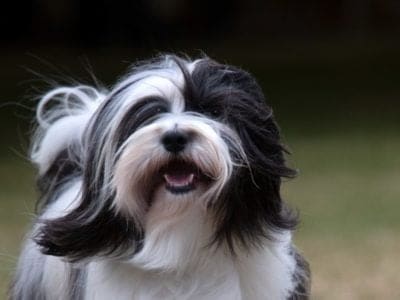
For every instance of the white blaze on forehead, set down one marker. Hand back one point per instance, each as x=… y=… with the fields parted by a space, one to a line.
x=169 y=88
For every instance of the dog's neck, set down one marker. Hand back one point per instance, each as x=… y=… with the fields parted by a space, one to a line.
x=178 y=258
x=177 y=243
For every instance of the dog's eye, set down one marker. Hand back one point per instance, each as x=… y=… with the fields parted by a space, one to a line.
x=140 y=114
x=148 y=109
x=214 y=112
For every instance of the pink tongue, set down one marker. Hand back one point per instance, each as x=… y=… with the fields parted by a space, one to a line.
x=179 y=179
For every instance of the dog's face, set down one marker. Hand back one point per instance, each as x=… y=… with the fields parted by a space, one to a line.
x=171 y=157
x=172 y=138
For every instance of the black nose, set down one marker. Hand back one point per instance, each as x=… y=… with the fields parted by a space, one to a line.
x=174 y=141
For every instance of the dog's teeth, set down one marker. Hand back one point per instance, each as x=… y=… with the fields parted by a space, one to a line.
x=179 y=180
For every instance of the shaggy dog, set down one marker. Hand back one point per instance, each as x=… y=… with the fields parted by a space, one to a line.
x=167 y=186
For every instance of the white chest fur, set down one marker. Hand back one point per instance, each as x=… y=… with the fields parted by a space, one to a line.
x=258 y=276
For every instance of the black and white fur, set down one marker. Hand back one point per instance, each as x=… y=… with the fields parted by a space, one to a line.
x=167 y=186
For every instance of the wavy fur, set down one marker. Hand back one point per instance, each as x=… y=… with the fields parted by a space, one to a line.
x=123 y=216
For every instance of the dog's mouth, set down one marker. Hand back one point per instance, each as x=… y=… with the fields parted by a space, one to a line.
x=181 y=177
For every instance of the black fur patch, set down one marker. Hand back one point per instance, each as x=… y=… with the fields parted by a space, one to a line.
x=302 y=277
x=251 y=205
x=75 y=237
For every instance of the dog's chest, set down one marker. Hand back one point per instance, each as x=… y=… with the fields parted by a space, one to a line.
x=106 y=281
x=266 y=276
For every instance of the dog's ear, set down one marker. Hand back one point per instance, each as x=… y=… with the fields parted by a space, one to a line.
x=93 y=227
x=250 y=207
x=88 y=230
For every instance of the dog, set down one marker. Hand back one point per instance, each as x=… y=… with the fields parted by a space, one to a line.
x=166 y=186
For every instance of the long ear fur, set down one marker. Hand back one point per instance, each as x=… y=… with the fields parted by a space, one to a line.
x=66 y=148
x=251 y=207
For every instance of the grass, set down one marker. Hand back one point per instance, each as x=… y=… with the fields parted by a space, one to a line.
x=352 y=179
x=347 y=193
x=365 y=267
x=16 y=210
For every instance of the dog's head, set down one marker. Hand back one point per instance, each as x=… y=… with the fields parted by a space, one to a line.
x=176 y=145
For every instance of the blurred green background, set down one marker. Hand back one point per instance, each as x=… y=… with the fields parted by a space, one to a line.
x=330 y=69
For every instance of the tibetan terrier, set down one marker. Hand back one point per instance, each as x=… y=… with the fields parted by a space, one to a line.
x=167 y=186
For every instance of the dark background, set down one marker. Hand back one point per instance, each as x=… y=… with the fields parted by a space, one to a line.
x=319 y=62
x=330 y=69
